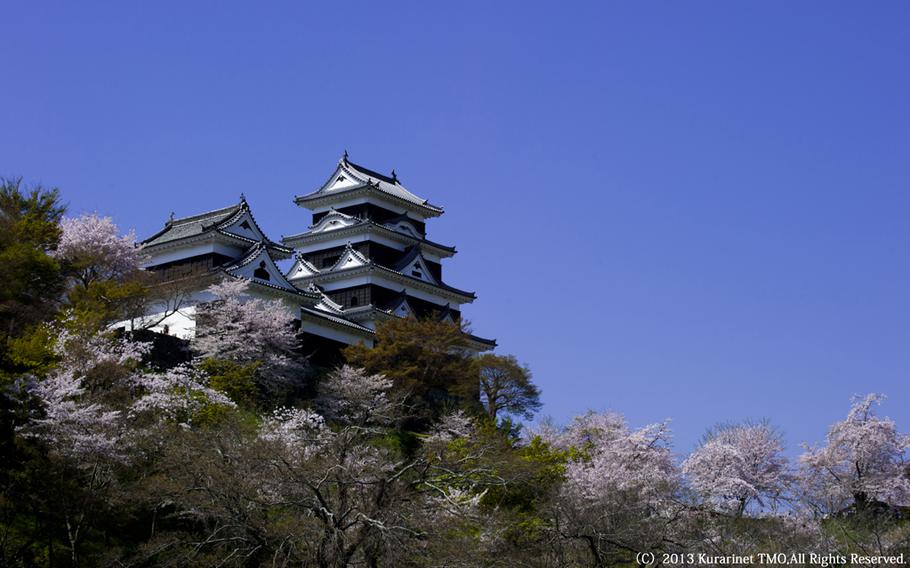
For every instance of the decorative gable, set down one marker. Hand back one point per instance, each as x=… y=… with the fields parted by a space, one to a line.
x=342 y=179
x=403 y=308
x=405 y=228
x=416 y=267
x=259 y=266
x=334 y=220
x=301 y=268
x=350 y=258
x=325 y=303
x=244 y=226
x=446 y=314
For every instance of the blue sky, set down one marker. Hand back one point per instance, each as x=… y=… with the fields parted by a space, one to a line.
x=695 y=210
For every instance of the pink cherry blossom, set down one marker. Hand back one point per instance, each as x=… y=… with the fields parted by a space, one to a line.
x=739 y=465
x=93 y=244
x=352 y=396
x=245 y=329
x=863 y=461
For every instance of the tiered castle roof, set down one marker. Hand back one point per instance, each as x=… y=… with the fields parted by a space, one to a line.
x=352 y=180
x=372 y=246
x=352 y=263
x=336 y=224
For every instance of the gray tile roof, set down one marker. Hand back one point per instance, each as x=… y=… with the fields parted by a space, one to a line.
x=211 y=221
x=370 y=179
x=370 y=264
x=335 y=319
x=483 y=340
x=191 y=226
x=390 y=185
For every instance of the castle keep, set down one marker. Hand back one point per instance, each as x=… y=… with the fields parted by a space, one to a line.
x=364 y=258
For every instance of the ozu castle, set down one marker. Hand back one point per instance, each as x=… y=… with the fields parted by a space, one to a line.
x=365 y=257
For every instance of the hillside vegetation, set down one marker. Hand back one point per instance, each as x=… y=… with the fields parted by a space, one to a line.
x=121 y=447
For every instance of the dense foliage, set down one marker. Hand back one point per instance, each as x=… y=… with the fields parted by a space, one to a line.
x=409 y=455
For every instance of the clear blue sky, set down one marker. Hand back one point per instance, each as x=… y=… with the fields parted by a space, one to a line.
x=696 y=210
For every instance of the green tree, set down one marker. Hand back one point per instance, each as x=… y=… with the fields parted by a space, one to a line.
x=31 y=282
x=506 y=387
x=430 y=360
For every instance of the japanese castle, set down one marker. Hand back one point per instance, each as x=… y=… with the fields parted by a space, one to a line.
x=364 y=258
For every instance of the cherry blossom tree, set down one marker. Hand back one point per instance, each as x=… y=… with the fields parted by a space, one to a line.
x=331 y=492
x=173 y=394
x=294 y=427
x=862 y=463
x=366 y=500
x=88 y=402
x=739 y=465
x=451 y=427
x=69 y=424
x=247 y=330
x=94 y=408
x=93 y=247
x=618 y=497
x=351 y=396
x=73 y=416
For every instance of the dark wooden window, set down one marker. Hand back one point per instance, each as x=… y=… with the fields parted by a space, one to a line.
x=195 y=266
x=352 y=297
x=261 y=272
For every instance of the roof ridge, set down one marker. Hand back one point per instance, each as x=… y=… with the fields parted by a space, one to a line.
x=197 y=216
x=244 y=207
x=335 y=318
x=372 y=173
x=391 y=187
x=266 y=242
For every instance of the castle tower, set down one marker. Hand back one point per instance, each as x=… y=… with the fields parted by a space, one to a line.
x=365 y=258
x=190 y=253
x=367 y=250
